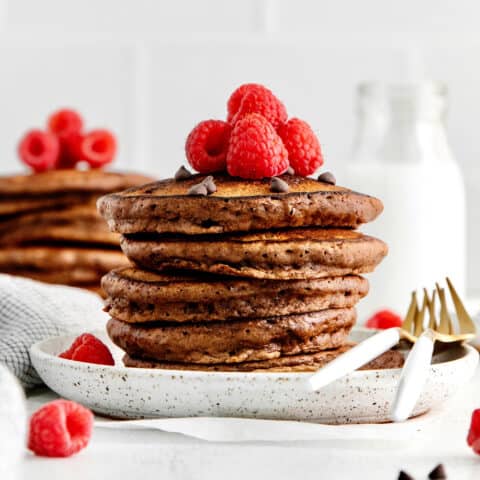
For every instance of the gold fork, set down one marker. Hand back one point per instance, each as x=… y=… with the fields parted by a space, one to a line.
x=416 y=368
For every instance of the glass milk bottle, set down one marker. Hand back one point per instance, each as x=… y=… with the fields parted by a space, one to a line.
x=402 y=156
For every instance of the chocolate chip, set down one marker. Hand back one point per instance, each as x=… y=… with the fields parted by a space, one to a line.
x=327 y=177
x=210 y=184
x=290 y=171
x=182 y=174
x=404 y=476
x=278 y=185
x=198 y=189
x=438 y=472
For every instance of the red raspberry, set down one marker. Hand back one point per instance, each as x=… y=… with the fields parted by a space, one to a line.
x=69 y=151
x=88 y=348
x=64 y=123
x=254 y=98
x=60 y=429
x=384 y=319
x=473 y=438
x=256 y=150
x=304 y=152
x=97 y=148
x=207 y=144
x=39 y=150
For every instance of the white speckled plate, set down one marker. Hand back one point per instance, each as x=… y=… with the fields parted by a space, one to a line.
x=361 y=397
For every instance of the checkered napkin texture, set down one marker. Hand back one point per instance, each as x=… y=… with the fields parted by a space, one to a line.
x=31 y=311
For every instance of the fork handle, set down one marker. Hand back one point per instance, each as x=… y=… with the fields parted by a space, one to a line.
x=413 y=377
x=354 y=358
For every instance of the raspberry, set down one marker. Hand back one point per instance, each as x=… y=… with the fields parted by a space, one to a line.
x=255 y=98
x=384 y=319
x=256 y=150
x=473 y=438
x=304 y=152
x=60 y=429
x=97 y=148
x=69 y=151
x=88 y=348
x=39 y=150
x=64 y=123
x=207 y=144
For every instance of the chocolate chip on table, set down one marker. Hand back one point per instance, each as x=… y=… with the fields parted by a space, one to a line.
x=327 y=177
x=278 y=185
x=209 y=182
x=438 y=472
x=290 y=171
x=404 y=476
x=198 y=189
x=182 y=174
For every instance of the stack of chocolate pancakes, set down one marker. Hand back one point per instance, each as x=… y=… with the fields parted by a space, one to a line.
x=51 y=231
x=241 y=276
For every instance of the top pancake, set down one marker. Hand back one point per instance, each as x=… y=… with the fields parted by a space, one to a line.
x=237 y=205
x=68 y=181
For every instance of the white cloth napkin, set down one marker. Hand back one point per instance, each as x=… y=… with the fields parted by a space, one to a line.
x=31 y=311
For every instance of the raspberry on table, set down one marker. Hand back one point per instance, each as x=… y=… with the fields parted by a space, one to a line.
x=65 y=122
x=88 y=348
x=60 y=429
x=207 y=144
x=39 y=150
x=256 y=150
x=97 y=148
x=304 y=153
x=255 y=98
x=473 y=438
x=384 y=319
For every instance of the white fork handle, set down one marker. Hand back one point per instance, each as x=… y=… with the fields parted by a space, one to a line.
x=413 y=377
x=354 y=358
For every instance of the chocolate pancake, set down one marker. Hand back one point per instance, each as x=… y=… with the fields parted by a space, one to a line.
x=235 y=341
x=78 y=223
x=237 y=205
x=287 y=254
x=56 y=188
x=59 y=259
x=136 y=295
x=309 y=362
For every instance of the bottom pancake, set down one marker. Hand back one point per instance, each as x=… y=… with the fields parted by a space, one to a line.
x=234 y=341
x=293 y=363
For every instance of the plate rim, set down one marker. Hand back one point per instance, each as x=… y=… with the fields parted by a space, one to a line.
x=36 y=352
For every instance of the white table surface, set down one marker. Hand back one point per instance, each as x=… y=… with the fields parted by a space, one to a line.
x=146 y=455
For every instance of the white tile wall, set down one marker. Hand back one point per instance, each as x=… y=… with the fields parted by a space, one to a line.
x=151 y=69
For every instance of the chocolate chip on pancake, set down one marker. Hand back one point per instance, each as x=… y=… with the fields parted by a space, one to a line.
x=278 y=185
x=284 y=254
x=182 y=174
x=236 y=341
x=237 y=205
x=137 y=296
x=308 y=362
x=327 y=177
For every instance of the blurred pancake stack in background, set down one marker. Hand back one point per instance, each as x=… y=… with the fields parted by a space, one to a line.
x=50 y=229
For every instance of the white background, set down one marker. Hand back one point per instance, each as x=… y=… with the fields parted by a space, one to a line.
x=151 y=69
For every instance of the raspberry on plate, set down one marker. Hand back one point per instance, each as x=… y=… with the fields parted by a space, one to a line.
x=39 y=150
x=88 y=348
x=473 y=438
x=65 y=122
x=97 y=148
x=255 y=98
x=256 y=150
x=60 y=429
x=384 y=319
x=304 y=153
x=207 y=144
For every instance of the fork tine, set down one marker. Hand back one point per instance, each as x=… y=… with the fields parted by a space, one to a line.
x=420 y=316
x=431 y=310
x=445 y=326
x=411 y=313
x=464 y=320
